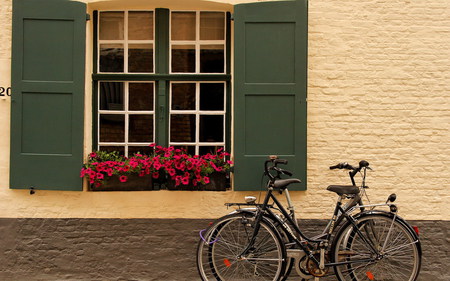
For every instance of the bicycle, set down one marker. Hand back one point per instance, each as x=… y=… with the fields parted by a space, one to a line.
x=263 y=241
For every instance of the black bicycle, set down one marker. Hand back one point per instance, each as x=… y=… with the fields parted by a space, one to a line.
x=263 y=241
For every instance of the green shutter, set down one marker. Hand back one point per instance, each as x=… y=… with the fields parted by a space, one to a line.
x=270 y=89
x=47 y=103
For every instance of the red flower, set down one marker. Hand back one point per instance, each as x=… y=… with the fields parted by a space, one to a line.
x=185 y=180
x=155 y=175
x=206 y=180
x=123 y=178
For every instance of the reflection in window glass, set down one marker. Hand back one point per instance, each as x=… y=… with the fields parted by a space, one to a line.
x=212 y=26
x=182 y=128
x=140 y=58
x=183 y=96
x=211 y=128
x=212 y=96
x=112 y=128
x=140 y=25
x=111 y=26
x=120 y=149
x=111 y=96
x=140 y=128
x=111 y=58
x=183 y=26
x=141 y=96
x=183 y=58
x=212 y=59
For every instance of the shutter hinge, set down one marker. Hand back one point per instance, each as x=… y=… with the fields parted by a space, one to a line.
x=88 y=17
x=232 y=17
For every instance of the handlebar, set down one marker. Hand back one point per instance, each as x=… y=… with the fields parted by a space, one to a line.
x=275 y=161
x=353 y=170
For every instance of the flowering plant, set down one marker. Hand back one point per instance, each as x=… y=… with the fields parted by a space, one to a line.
x=101 y=165
x=186 y=169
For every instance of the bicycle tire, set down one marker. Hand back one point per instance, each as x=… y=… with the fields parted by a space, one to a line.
x=399 y=257
x=226 y=238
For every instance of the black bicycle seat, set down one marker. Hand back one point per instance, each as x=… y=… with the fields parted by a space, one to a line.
x=344 y=189
x=283 y=183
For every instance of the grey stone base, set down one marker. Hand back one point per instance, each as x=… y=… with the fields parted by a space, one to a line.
x=143 y=249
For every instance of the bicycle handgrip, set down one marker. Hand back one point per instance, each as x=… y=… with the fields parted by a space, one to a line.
x=280 y=161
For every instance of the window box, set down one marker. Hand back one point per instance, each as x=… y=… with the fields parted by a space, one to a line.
x=133 y=183
x=217 y=182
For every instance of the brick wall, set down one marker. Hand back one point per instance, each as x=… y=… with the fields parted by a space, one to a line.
x=144 y=249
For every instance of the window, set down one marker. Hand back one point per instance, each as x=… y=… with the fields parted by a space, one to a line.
x=161 y=76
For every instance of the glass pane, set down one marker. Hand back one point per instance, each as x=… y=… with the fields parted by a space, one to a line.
x=183 y=26
x=140 y=58
x=146 y=150
x=211 y=128
x=120 y=149
x=140 y=96
x=189 y=149
x=182 y=128
x=208 y=149
x=111 y=26
x=183 y=96
x=140 y=128
x=183 y=58
x=212 y=96
x=111 y=96
x=112 y=128
x=140 y=25
x=212 y=59
x=212 y=26
x=111 y=58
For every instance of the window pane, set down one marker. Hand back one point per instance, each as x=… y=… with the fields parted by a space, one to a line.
x=212 y=59
x=140 y=58
x=140 y=25
x=140 y=128
x=111 y=26
x=182 y=128
x=208 y=149
x=111 y=58
x=111 y=96
x=112 y=128
x=183 y=96
x=211 y=128
x=212 y=26
x=189 y=149
x=183 y=26
x=212 y=96
x=120 y=149
x=146 y=150
x=140 y=96
x=183 y=58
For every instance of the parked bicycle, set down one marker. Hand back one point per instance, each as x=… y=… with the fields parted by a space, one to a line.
x=264 y=241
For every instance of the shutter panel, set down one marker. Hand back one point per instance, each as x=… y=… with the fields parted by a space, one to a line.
x=270 y=89
x=47 y=103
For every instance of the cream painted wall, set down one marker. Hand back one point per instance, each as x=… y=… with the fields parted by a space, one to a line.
x=378 y=89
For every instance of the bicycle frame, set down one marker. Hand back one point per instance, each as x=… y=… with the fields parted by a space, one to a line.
x=296 y=234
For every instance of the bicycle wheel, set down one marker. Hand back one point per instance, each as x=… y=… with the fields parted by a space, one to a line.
x=377 y=248
x=218 y=251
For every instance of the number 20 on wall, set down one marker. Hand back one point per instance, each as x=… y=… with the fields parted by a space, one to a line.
x=5 y=91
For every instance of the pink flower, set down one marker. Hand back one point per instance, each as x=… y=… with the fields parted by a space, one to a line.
x=123 y=178
x=185 y=181
x=93 y=155
x=171 y=172
x=155 y=175
x=206 y=180
x=100 y=176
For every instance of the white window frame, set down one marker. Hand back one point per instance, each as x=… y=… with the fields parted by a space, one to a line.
x=197 y=112
x=198 y=43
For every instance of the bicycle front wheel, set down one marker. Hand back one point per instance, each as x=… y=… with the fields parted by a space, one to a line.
x=378 y=247
x=218 y=252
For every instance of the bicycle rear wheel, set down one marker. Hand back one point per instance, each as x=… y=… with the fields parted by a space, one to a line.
x=217 y=254
x=379 y=247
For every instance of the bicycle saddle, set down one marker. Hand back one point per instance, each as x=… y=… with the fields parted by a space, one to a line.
x=282 y=184
x=344 y=189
